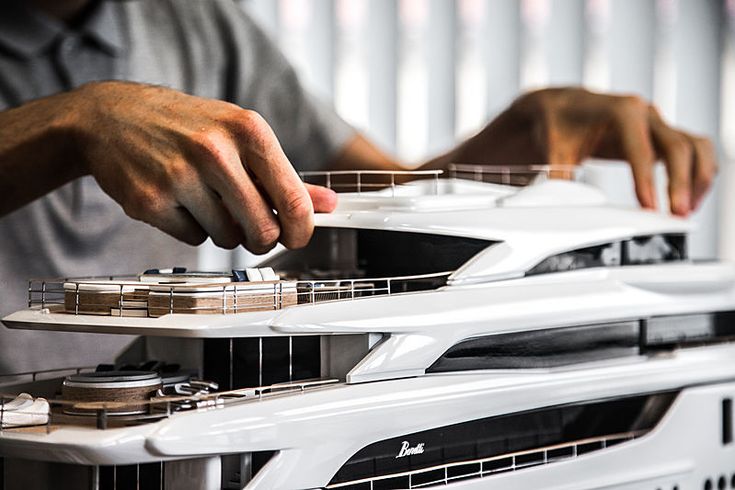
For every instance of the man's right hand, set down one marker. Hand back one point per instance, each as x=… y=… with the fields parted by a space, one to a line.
x=194 y=167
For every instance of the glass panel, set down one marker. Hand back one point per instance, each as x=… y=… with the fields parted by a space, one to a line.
x=655 y=249
x=607 y=255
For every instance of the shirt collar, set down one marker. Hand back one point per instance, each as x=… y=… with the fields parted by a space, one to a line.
x=103 y=25
x=28 y=32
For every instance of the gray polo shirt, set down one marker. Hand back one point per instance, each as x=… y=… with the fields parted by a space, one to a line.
x=208 y=48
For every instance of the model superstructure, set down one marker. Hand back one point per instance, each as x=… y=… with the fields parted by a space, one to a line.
x=435 y=332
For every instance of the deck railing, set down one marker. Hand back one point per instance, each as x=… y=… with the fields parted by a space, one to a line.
x=104 y=414
x=515 y=175
x=360 y=181
x=125 y=296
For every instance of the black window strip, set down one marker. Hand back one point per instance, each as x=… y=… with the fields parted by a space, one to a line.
x=502 y=435
x=541 y=348
x=641 y=250
x=727 y=430
x=554 y=347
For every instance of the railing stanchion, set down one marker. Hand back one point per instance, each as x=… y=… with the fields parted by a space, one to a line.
x=120 y=302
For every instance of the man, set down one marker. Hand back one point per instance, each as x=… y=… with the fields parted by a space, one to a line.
x=202 y=137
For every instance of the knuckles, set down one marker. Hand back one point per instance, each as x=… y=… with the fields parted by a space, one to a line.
x=631 y=106
x=682 y=147
x=144 y=204
x=297 y=206
x=265 y=236
x=250 y=127
x=211 y=143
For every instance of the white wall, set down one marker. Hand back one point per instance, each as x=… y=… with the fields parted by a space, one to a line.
x=417 y=74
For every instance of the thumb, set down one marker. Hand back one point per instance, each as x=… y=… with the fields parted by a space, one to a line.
x=324 y=200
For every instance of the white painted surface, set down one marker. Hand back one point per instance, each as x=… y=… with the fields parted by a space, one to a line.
x=316 y=432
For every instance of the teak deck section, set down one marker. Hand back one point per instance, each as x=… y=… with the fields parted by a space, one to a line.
x=158 y=300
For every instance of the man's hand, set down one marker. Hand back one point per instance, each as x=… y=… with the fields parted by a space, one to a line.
x=194 y=167
x=567 y=125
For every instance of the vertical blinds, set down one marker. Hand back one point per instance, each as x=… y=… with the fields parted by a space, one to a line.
x=415 y=75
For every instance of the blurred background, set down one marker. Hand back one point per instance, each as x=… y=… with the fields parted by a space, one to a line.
x=417 y=75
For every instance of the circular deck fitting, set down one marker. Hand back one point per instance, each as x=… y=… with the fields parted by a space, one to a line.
x=117 y=392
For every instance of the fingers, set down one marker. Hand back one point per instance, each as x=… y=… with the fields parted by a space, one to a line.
x=253 y=213
x=637 y=149
x=705 y=168
x=223 y=172
x=262 y=155
x=178 y=223
x=324 y=200
x=690 y=162
x=252 y=176
x=148 y=204
x=208 y=210
x=677 y=152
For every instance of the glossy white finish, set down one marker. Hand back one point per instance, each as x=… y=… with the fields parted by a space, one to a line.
x=683 y=452
x=553 y=193
x=527 y=235
x=388 y=393
x=317 y=431
x=421 y=326
x=256 y=324
x=426 y=196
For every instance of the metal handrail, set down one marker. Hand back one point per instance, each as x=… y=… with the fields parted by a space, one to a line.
x=602 y=440
x=231 y=296
x=359 y=185
x=507 y=173
x=165 y=406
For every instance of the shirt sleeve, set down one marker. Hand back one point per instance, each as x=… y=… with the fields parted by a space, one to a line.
x=260 y=78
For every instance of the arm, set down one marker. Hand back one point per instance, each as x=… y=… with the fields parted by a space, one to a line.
x=566 y=126
x=189 y=166
x=36 y=150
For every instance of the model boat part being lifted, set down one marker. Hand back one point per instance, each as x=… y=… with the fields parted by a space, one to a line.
x=436 y=332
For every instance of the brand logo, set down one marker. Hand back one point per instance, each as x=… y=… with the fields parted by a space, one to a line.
x=407 y=450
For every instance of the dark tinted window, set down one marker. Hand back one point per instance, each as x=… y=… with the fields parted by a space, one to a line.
x=654 y=249
x=497 y=436
x=553 y=347
x=543 y=348
x=599 y=256
x=335 y=253
x=643 y=250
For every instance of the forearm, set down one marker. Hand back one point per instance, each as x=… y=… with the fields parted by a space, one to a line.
x=504 y=141
x=360 y=154
x=37 y=150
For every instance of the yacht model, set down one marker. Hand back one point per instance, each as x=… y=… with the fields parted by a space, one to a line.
x=436 y=332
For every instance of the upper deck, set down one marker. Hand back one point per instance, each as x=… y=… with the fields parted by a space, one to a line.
x=386 y=238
